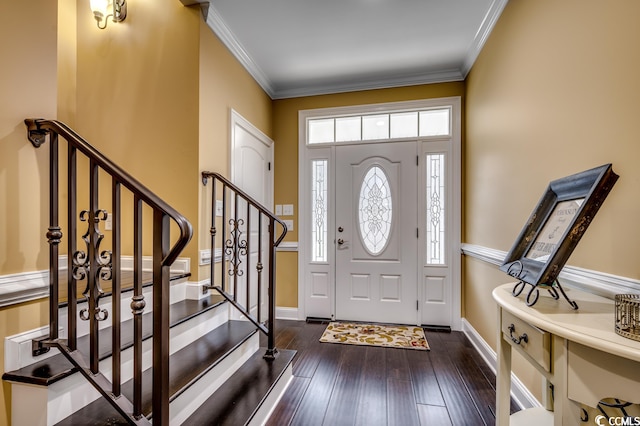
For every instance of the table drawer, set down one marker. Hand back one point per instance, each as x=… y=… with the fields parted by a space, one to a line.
x=530 y=339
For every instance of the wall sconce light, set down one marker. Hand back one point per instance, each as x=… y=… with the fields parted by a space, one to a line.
x=103 y=9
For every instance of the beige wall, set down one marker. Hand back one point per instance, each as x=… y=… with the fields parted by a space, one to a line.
x=552 y=93
x=134 y=92
x=286 y=157
x=137 y=99
x=27 y=89
x=224 y=85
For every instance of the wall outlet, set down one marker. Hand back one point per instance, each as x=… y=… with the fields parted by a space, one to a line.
x=219 y=207
x=287 y=210
x=108 y=224
x=289 y=224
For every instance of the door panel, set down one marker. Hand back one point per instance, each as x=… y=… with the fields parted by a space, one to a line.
x=376 y=241
x=252 y=156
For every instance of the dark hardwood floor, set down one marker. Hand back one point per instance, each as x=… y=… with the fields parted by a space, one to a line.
x=337 y=384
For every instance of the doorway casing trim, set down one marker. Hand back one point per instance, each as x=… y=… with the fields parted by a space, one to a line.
x=303 y=209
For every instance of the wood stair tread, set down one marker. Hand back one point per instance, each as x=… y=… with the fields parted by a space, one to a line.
x=236 y=401
x=185 y=367
x=57 y=367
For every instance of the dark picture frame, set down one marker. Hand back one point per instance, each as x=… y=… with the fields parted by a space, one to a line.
x=554 y=229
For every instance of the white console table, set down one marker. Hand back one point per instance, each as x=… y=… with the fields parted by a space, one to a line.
x=578 y=352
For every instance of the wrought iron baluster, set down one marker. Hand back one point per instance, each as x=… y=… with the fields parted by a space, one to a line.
x=223 y=264
x=54 y=236
x=72 y=244
x=271 y=347
x=259 y=266
x=137 y=307
x=247 y=279
x=95 y=266
x=160 y=318
x=236 y=257
x=115 y=288
x=213 y=233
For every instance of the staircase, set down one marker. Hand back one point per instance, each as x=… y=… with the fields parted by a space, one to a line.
x=193 y=355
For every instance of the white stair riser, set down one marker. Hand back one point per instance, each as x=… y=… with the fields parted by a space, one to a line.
x=18 y=347
x=269 y=404
x=187 y=402
x=66 y=396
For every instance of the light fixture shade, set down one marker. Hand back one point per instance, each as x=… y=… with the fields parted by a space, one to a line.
x=103 y=9
x=100 y=8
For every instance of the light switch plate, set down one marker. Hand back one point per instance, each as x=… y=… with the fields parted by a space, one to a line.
x=278 y=209
x=289 y=224
x=287 y=210
x=219 y=207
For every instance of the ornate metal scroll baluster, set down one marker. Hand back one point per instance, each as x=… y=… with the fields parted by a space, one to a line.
x=235 y=247
x=102 y=263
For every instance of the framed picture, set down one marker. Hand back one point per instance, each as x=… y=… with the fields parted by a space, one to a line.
x=554 y=228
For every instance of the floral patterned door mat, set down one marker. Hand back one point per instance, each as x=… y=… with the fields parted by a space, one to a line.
x=396 y=336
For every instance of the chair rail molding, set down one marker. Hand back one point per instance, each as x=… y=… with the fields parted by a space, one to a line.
x=33 y=285
x=595 y=282
x=23 y=287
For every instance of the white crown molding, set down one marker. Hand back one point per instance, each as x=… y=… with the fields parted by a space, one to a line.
x=217 y=24
x=489 y=21
x=220 y=28
x=600 y=283
x=382 y=83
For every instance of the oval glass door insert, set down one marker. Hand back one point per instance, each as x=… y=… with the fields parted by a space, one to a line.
x=375 y=210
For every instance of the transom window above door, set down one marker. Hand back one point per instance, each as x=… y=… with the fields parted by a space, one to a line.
x=372 y=127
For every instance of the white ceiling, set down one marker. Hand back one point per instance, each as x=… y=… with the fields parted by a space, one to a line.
x=309 y=47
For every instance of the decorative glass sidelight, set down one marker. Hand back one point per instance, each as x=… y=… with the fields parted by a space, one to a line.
x=375 y=210
x=435 y=240
x=319 y=210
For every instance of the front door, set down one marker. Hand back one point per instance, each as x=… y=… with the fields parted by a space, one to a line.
x=376 y=236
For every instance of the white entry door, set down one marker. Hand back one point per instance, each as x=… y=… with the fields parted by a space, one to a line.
x=376 y=233
x=252 y=171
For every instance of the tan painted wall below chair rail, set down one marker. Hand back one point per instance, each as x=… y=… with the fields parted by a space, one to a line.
x=286 y=155
x=551 y=94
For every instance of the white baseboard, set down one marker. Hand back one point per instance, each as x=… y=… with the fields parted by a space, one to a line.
x=519 y=392
x=286 y=313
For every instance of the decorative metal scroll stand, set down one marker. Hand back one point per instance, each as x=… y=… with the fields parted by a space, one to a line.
x=515 y=270
x=620 y=409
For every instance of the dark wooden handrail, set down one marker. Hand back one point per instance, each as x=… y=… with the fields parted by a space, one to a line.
x=95 y=265
x=37 y=130
x=236 y=245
